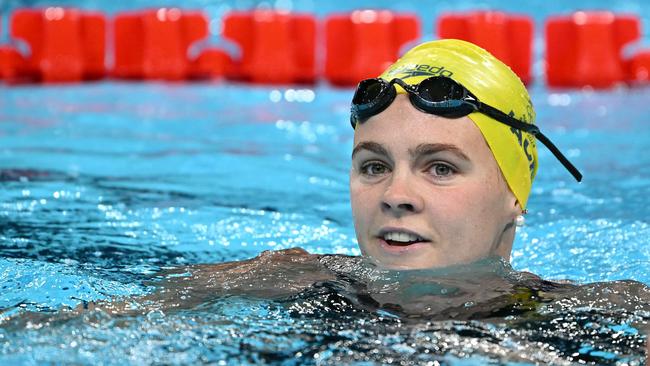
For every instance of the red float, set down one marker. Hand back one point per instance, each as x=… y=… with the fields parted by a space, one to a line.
x=639 y=67
x=584 y=49
x=8 y=58
x=276 y=47
x=93 y=39
x=11 y=63
x=128 y=46
x=64 y=45
x=27 y=25
x=165 y=47
x=363 y=43
x=61 y=57
x=154 y=44
x=508 y=37
x=212 y=63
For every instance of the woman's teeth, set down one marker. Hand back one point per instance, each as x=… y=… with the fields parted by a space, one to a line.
x=401 y=237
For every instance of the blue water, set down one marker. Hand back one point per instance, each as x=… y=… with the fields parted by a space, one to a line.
x=174 y=167
x=106 y=184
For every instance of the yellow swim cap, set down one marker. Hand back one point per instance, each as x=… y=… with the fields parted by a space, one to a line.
x=493 y=83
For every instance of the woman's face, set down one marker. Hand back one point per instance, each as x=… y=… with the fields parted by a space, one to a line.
x=427 y=192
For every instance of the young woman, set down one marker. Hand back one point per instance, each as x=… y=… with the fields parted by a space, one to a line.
x=442 y=165
x=444 y=158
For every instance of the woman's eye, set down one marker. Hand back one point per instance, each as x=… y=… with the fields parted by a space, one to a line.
x=374 y=168
x=441 y=170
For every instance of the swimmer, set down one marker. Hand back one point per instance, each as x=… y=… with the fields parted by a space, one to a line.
x=443 y=160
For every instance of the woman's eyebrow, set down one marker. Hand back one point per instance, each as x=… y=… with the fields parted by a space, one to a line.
x=428 y=149
x=369 y=145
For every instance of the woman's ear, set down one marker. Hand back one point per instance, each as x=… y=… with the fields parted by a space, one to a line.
x=514 y=206
x=518 y=208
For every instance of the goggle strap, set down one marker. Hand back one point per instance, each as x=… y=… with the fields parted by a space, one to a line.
x=533 y=130
x=558 y=154
x=403 y=84
x=507 y=119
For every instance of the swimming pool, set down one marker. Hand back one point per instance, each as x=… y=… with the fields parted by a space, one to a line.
x=105 y=184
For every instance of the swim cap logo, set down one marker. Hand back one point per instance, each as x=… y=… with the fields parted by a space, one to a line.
x=410 y=71
x=525 y=142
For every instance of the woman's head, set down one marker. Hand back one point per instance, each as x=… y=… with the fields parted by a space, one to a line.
x=433 y=191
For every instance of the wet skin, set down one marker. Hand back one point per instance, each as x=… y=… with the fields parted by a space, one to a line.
x=483 y=305
x=294 y=276
x=431 y=177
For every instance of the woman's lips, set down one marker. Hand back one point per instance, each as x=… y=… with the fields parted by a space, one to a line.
x=401 y=248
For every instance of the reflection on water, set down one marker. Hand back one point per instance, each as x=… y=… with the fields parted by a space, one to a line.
x=110 y=194
x=295 y=307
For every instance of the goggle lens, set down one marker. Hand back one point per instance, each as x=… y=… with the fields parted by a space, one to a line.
x=439 y=89
x=368 y=91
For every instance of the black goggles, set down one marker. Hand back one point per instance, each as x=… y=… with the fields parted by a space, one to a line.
x=443 y=97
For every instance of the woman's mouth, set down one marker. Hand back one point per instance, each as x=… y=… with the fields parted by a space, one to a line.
x=401 y=238
x=401 y=241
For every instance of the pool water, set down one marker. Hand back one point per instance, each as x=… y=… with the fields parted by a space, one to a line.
x=105 y=186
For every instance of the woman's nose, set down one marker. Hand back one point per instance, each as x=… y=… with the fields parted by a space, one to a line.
x=401 y=196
